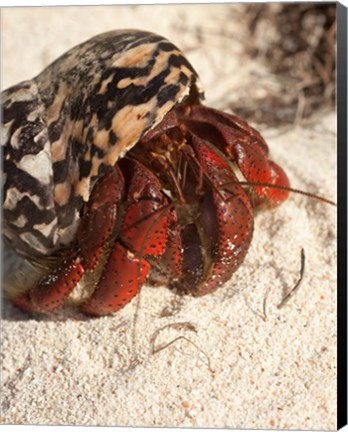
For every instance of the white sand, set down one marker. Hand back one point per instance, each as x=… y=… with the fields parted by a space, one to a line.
x=237 y=361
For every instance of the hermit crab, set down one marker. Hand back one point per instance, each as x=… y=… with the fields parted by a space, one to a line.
x=114 y=169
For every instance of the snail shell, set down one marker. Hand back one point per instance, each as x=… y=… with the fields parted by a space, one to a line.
x=61 y=129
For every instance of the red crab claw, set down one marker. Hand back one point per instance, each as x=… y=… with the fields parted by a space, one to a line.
x=226 y=218
x=94 y=233
x=170 y=262
x=143 y=233
x=244 y=145
x=54 y=288
x=98 y=222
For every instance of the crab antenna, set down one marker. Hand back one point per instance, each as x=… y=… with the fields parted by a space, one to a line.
x=280 y=187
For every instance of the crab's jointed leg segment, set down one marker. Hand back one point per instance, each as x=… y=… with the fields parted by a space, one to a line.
x=121 y=279
x=52 y=290
x=226 y=218
x=98 y=222
x=143 y=233
x=243 y=145
x=94 y=233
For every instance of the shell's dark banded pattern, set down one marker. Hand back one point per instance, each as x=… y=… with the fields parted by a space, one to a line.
x=61 y=129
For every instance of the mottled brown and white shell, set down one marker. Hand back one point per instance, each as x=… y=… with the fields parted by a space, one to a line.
x=83 y=112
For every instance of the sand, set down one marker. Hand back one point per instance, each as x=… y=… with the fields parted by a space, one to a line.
x=231 y=359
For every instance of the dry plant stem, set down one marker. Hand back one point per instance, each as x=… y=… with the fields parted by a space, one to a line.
x=296 y=287
x=178 y=326
x=192 y=343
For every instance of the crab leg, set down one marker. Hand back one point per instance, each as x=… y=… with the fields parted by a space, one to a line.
x=143 y=233
x=98 y=223
x=244 y=145
x=54 y=288
x=225 y=220
x=94 y=232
